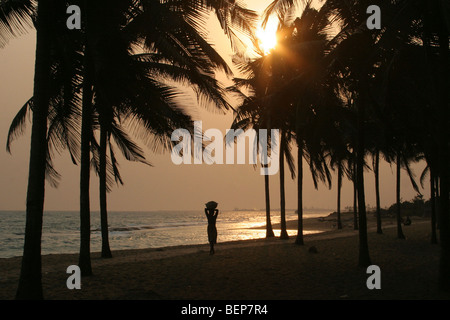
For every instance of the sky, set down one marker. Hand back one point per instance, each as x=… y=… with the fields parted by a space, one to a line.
x=165 y=186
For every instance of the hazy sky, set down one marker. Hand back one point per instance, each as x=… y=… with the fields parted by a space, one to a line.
x=164 y=186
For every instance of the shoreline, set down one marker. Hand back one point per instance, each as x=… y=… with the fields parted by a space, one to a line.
x=312 y=227
x=251 y=269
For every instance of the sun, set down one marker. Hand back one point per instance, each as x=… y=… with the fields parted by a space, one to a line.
x=268 y=36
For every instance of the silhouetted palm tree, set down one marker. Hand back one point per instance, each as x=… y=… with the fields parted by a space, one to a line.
x=30 y=286
x=46 y=21
x=285 y=156
x=250 y=116
x=254 y=113
x=376 y=171
x=269 y=229
x=441 y=12
x=400 y=234
x=430 y=159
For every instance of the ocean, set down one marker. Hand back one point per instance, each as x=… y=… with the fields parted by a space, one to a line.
x=137 y=230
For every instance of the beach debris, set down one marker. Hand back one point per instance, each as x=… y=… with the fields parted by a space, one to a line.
x=313 y=249
x=211 y=205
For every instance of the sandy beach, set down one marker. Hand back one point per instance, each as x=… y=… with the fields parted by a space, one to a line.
x=265 y=269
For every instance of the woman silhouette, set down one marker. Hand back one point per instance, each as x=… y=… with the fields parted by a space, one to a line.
x=211 y=214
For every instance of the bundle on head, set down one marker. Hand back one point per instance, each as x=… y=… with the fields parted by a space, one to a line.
x=211 y=205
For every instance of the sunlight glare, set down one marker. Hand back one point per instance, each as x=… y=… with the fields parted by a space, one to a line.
x=268 y=36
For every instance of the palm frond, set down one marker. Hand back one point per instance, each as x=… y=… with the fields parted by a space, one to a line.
x=51 y=175
x=425 y=172
x=411 y=174
x=114 y=166
x=234 y=19
x=280 y=7
x=17 y=126
x=15 y=19
x=130 y=150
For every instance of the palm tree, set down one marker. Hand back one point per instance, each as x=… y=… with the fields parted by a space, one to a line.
x=98 y=98
x=12 y=17
x=48 y=23
x=104 y=141
x=402 y=161
x=269 y=229
x=250 y=114
x=433 y=207
x=444 y=153
x=338 y=140
x=376 y=170
x=285 y=154
x=355 y=193
x=400 y=234
x=341 y=171
x=30 y=286
x=84 y=258
x=430 y=159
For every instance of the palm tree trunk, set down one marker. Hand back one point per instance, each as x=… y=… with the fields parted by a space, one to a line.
x=339 y=187
x=30 y=281
x=269 y=230
x=400 y=234
x=355 y=198
x=85 y=223
x=444 y=156
x=364 y=258
x=283 y=233
x=438 y=202
x=86 y=134
x=433 y=207
x=299 y=240
x=444 y=231
x=376 y=171
x=106 y=251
